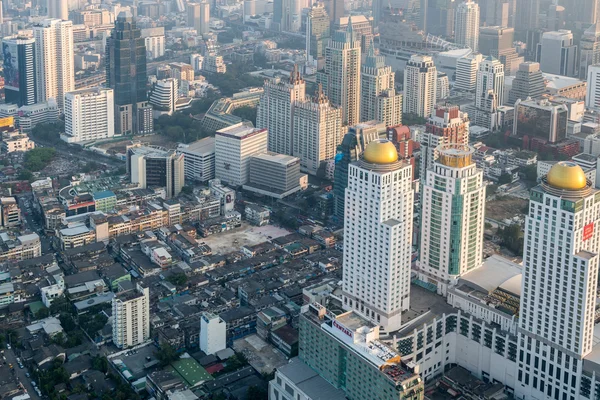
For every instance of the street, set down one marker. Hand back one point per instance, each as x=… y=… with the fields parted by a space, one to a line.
x=31 y=222
x=20 y=373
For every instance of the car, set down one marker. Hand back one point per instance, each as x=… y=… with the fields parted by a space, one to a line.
x=33 y=384
x=21 y=366
x=27 y=375
x=18 y=360
x=8 y=346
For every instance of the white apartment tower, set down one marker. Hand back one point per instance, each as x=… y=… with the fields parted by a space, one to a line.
x=490 y=77
x=164 y=96
x=89 y=115
x=379 y=100
x=560 y=277
x=54 y=57
x=275 y=111
x=317 y=131
x=131 y=317
x=420 y=86
x=592 y=98
x=377 y=235
x=341 y=78
x=466 y=72
x=453 y=216
x=213 y=333
x=58 y=9
x=466 y=26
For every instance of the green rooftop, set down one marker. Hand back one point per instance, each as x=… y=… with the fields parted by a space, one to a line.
x=190 y=371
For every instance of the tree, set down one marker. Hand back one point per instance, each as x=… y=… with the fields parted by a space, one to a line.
x=26 y=175
x=187 y=190
x=491 y=190
x=100 y=363
x=38 y=158
x=49 y=132
x=178 y=279
x=512 y=238
x=90 y=167
x=247 y=113
x=67 y=322
x=166 y=354
x=413 y=119
x=504 y=179
x=256 y=393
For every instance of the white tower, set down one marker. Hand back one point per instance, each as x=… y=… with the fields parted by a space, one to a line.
x=58 y=9
x=89 y=115
x=378 y=235
x=420 y=86
x=213 y=333
x=453 y=199
x=490 y=76
x=466 y=26
x=560 y=277
x=54 y=60
x=131 y=317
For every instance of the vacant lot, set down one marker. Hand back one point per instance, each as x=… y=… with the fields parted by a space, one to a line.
x=246 y=235
x=505 y=207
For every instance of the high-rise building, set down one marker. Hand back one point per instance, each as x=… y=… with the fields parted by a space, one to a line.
x=317 y=32
x=555 y=18
x=234 y=146
x=379 y=100
x=317 y=131
x=497 y=41
x=437 y=17
x=490 y=77
x=54 y=57
x=452 y=223
x=198 y=17
x=528 y=82
x=199 y=159
x=557 y=54
x=19 y=70
x=213 y=333
x=126 y=74
x=335 y=9
x=341 y=76
x=352 y=146
x=466 y=72
x=362 y=27
x=448 y=125
x=540 y=121
x=586 y=11
x=589 y=47
x=131 y=317
x=420 y=86
x=58 y=9
x=497 y=13
x=275 y=111
x=527 y=15
x=592 y=98
x=378 y=236
x=560 y=272
x=152 y=167
x=275 y=175
x=154 y=38
x=466 y=27
x=89 y=115
x=164 y=96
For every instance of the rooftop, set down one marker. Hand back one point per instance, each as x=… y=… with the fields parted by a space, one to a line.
x=277 y=158
x=239 y=131
x=202 y=146
x=309 y=381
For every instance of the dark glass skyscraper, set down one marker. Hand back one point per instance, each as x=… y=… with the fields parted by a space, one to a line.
x=126 y=74
x=19 y=70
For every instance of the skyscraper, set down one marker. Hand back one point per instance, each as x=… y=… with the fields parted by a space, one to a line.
x=89 y=115
x=437 y=17
x=131 y=317
x=490 y=77
x=352 y=146
x=335 y=9
x=586 y=11
x=379 y=100
x=126 y=74
x=592 y=98
x=527 y=15
x=420 y=86
x=19 y=70
x=152 y=167
x=341 y=77
x=378 y=235
x=198 y=17
x=589 y=47
x=560 y=273
x=557 y=54
x=453 y=208
x=317 y=32
x=54 y=57
x=317 y=131
x=466 y=72
x=58 y=9
x=466 y=28
x=497 y=13
x=528 y=82
x=497 y=42
x=274 y=112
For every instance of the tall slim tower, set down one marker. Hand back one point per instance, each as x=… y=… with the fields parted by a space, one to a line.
x=490 y=76
x=275 y=111
x=19 y=70
x=528 y=82
x=377 y=235
x=131 y=317
x=527 y=15
x=58 y=9
x=341 y=77
x=335 y=9
x=198 y=17
x=560 y=276
x=420 y=86
x=466 y=27
x=453 y=208
x=54 y=57
x=379 y=100
x=126 y=74
x=317 y=32
x=589 y=48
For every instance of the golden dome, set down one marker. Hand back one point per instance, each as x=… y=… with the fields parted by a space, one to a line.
x=566 y=175
x=380 y=151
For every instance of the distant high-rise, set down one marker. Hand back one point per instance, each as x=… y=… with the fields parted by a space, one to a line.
x=453 y=210
x=317 y=32
x=164 y=96
x=379 y=100
x=89 y=115
x=152 y=167
x=335 y=9
x=466 y=28
x=529 y=82
x=497 y=42
x=527 y=15
x=557 y=54
x=198 y=17
x=341 y=77
x=274 y=112
x=377 y=236
x=589 y=46
x=586 y=11
x=466 y=72
x=592 y=98
x=497 y=13
x=58 y=9
x=54 y=57
x=437 y=17
x=126 y=74
x=19 y=70
x=131 y=317
x=420 y=86
x=490 y=76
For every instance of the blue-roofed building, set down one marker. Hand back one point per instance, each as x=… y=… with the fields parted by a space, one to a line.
x=105 y=200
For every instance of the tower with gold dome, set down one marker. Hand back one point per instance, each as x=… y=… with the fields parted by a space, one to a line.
x=560 y=277
x=453 y=217
x=378 y=235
